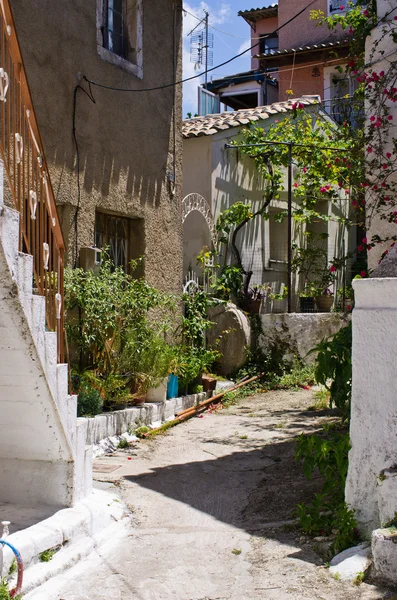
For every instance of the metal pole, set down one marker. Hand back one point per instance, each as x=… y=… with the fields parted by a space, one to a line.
x=206 y=48
x=290 y=227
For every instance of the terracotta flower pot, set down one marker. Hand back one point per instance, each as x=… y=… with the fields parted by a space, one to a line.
x=324 y=303
x=209 y=383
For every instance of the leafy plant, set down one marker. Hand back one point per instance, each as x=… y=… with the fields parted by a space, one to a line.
x=328 y=511
x=89 y=401
x=140 y=432
x=13 y=567
x=102 y=308
x=123 y=444
x=5 y=593
x=47 y=555
x=334 y=363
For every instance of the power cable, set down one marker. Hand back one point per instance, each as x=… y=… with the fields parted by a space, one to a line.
x=226 y=62
x=90 y=95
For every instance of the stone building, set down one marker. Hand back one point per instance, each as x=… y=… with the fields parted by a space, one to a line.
x=114 y=157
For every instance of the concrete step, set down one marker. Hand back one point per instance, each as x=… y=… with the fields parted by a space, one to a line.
x=73 y=532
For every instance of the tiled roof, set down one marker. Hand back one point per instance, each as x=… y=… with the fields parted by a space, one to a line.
x=256 y=14
x=211 y=124
x=250 y=10
x=324 y=46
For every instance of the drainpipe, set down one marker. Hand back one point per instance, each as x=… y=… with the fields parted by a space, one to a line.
x=290 y=227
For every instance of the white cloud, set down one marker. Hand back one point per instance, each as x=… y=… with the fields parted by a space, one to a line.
x=217 y=16
x=244 y=46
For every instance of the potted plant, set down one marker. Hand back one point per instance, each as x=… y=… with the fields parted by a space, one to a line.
x=325 y=296
x=147 y=357
x=306 y=298
x=324 y=300
x=252 y=300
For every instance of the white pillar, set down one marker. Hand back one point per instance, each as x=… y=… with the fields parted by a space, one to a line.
x=373 y=428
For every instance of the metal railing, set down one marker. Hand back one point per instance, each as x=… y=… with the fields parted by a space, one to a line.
x=28 y=177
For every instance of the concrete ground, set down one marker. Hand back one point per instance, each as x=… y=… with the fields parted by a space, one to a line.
x=212 y=503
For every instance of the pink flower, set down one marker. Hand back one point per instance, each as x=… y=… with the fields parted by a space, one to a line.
x=351 y=30
x=348 y=307
x=342 y=8
x=360 y=248
x=372 y=118
x=295 y=185
x=390 y=118
x=364 y=240
x=384 y=166
x=332 y=268
x=366 y=13
x=369 y=149
x=381 y=74
x=388 y=154
x=323 y=189
x=304 y=169
x=363 y=273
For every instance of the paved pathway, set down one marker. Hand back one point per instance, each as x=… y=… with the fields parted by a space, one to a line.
x=212 y=502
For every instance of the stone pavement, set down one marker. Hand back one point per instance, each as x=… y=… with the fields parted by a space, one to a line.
x=212 y=504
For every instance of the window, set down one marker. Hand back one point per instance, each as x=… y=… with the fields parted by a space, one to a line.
x=114 y=38
x=122 y=235
x=341 y=6
x=268 y=44
x=119 y=33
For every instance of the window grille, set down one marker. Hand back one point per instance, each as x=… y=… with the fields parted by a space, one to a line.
x=113 y=232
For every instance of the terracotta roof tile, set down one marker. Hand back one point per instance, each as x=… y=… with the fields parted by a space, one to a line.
x=211 y=124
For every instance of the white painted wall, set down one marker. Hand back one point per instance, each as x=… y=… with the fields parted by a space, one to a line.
x=43 y=454
x=373 y=428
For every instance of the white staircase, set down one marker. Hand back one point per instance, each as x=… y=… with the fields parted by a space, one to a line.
x=43 y=454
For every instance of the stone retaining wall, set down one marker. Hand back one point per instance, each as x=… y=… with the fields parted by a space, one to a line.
x=295 y=334
x=107 y=425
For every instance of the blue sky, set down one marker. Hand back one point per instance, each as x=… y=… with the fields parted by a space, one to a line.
x=231 y=36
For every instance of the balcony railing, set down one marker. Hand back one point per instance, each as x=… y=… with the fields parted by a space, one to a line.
x=28 y=177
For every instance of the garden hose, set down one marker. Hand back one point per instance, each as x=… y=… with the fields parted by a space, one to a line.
x=18 y=587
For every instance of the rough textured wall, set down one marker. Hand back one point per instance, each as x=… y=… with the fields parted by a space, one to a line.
x=301 y=80
x=371 y=486
x=294 y=335
x=263 y=26
x=126 y=140
x=302 y=30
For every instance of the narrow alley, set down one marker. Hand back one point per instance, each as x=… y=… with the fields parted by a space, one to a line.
x=212 y=506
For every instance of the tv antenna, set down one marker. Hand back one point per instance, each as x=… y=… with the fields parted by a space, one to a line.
x=201 y=44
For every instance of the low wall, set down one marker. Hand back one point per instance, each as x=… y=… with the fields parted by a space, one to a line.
x=107 y=425
x=295 y=334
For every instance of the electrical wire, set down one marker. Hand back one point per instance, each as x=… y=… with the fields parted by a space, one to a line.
x=90 y=95
x=226 y=62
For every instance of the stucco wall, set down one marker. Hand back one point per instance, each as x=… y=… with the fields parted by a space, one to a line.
x=385 y=48
x=126 y=140
x=301 y=80
x=263 y=26
x=371 y=481
x=301 y=31
x=295 y=335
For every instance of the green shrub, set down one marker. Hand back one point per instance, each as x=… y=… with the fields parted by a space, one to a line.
x=89 y=401
x=328 y=512
x=4 y=591
x=334 y=364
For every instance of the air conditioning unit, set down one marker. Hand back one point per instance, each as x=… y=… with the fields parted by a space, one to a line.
x=90 y=259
